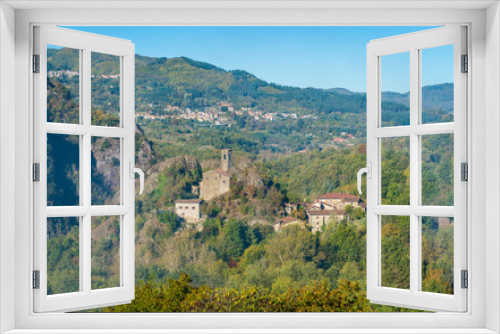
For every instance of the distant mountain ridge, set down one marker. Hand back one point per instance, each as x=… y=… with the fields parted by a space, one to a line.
x=433 y=96
x=188 y=83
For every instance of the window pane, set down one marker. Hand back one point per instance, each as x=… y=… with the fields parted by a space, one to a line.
x=437 y=169
x=437 y=84
x=63 y=85
x=63 y=177
x=105 y=89
x=105 y=171
x=63 y=255
x=437 y=254
x=395 y=171
x=395 y=88
x=396 y=252
x=105 y=252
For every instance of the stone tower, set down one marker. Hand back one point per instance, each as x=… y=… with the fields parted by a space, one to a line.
x=226 y=160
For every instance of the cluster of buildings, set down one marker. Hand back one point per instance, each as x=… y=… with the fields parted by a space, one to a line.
x=69 y=74
x=210 y=116
x=267 y=116
x=325 y=209
x=62 y=73
x=343 y=137
x=219 y=115
x=105 y=76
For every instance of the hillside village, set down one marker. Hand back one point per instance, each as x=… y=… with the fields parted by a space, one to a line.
x=326 y=209
x=225 y=115
x=218 y=115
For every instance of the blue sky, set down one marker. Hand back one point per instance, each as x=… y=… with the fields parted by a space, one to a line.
x=320 y=57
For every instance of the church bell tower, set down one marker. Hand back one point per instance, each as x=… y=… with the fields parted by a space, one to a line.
x=226 y=159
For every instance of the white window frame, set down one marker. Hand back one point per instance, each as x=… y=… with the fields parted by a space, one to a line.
x=413 y=44
x=85 y=44
x=484 y=103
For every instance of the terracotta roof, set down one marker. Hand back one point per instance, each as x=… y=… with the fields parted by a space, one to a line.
x=286 y=220
x=196 y=200
x=339 y=211
x=222 y=172
x=343 y=196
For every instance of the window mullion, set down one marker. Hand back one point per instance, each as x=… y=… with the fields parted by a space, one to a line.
x=86 y=161
x=81 y=234
x=414 y=169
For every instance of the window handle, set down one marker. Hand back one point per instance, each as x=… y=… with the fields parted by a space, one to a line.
x=139 y=171
x=368 y=171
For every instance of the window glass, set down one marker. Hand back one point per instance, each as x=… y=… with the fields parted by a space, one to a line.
x=437 y=169
x=437 y=254
x=105 y=171
x=395 y=250
x=63 y=170
x=395 y=84
x=437 y=85
x=395 y=171
x=63 y=85
x=63 y=255
x=105 y=89
x=105 y=252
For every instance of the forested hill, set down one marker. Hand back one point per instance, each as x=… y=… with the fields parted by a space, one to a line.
x=435 y=96
x=186 y=83
x=193 y=84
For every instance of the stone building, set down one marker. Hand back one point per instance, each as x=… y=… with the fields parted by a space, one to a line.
x=318 y=205
x=289 y=207
x=444 y=221
x=284 y=222
x=340 y=200
x=188 y=209
x=216 y=182
x=318 y=218
x=226 y=160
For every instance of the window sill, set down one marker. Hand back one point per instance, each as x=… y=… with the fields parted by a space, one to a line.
x=248 y=331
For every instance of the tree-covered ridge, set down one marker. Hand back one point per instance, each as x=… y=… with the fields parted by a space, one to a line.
x=436 y=100
x=310 y=174
x=181 y=296
x=186 y=83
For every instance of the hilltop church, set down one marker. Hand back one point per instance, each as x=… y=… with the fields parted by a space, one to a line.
x=216 y=182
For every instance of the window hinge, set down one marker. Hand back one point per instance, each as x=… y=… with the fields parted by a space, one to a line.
x=36 y=172
x=465 y=279
x=464 y=167
x=36 y=63
x=465 y=64
x=36 y=279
